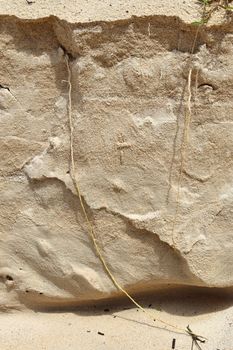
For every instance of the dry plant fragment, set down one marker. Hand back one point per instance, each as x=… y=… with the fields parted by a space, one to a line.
x=211 y=6
x=183 y=148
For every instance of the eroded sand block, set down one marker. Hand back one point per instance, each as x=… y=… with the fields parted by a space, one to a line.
x=129 y=109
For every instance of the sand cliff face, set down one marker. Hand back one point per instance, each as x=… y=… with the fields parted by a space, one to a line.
x=161 y=208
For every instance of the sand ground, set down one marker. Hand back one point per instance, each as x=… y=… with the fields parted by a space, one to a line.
x=102 y=10
x=122 y=328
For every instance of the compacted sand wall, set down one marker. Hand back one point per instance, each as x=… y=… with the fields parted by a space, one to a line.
x=146 y=104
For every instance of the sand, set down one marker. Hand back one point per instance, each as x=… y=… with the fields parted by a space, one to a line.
x=111 y=326
x=102 y=10
x=120 y=329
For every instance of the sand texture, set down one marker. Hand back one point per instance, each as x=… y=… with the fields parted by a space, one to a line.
x=116 y=122
x=117 y=327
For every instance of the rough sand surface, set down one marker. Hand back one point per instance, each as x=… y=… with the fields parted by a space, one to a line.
x=129 y=329
x=133 y=80
x=100 y=10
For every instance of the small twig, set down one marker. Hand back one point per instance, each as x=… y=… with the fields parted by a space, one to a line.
x=196 y=338
x=100 y=333
x=183 y=148
x=29 y=2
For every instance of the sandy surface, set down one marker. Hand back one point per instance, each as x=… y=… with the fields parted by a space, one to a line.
x=101 y=10
x=210 y=316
